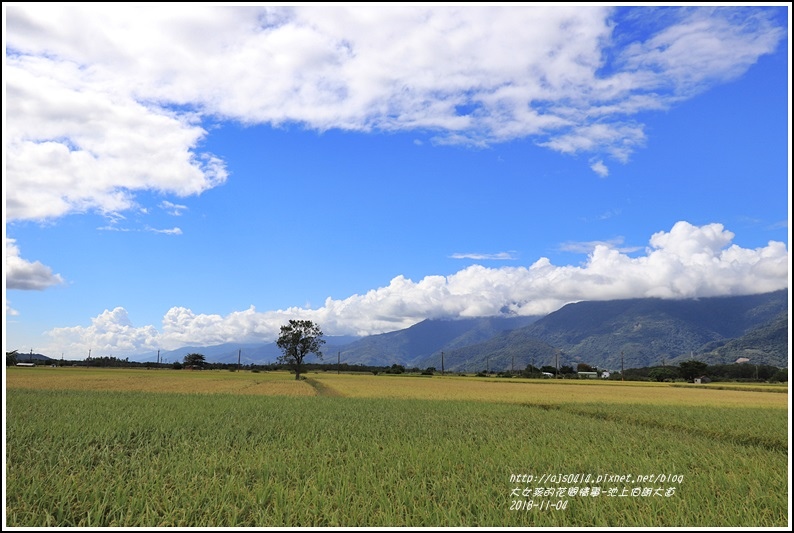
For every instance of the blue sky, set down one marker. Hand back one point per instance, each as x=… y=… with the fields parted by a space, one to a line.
x=180 y=176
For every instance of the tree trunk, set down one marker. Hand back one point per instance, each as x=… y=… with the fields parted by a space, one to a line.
x=297 y=375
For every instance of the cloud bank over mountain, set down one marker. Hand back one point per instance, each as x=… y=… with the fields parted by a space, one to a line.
x=685 y=262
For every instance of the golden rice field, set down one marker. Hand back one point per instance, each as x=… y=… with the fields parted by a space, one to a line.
x=365 y=385
x=540 y=392
x=165 y=448
x=146 y=380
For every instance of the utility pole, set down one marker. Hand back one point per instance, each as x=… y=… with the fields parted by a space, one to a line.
x=239 y=352
x=442 y=363
x=556 y=365
x=487 y=364
x=338 y=359
x=158 y=357
x=513 y=364
x=622 y=370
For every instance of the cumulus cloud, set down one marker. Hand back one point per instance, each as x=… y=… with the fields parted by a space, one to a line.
x=24 y=275
x=105 y=101
x=111 y=332
x=685 y=262
x=76 y=144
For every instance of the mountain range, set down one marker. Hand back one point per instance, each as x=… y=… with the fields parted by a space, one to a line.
x=608 y=334
x=643 y=332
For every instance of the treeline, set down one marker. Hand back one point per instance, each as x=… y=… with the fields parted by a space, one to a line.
x=686 y=371
x=722 y=372
x=115 y=362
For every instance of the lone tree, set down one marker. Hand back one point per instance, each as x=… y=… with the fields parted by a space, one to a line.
x=298 y=339
x=195 y=360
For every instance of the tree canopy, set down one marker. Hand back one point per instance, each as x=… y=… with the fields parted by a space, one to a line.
x=663 y=373
x=194 y=360
x=689 y=370
x=298 y=339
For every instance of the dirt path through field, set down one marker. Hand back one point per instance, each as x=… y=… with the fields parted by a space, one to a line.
x=323 y=389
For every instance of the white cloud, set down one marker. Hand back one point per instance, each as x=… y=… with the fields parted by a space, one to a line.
x=616 y=139
x=600 y=168
x=111 y=332
x=686 y=262
x=497 y=256
x=76 y=144
x=172 y=208
x=24 y=275
x=691 y=54
x=587 y=247
x=610 y=213
x=113 y=228
x=104 y=101
x=172 y=231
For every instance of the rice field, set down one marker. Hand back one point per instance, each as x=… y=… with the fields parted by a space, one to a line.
x=161 y=380
x=542 y=391
x=159 y=448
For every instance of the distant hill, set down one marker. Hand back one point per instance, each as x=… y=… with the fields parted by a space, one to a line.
x=32 y=357
x=250 y=353
x=421 y=344
x=508 y=350
x=645 y=331
x=408 y=347
x=764 y=345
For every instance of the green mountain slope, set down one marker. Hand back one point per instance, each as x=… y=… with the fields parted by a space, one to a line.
x=641 y=332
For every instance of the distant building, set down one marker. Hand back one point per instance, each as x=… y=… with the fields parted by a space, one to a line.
x=26 y=364
x=605 y=374
x=702 y=379
x=587 y=375
x=547 y=374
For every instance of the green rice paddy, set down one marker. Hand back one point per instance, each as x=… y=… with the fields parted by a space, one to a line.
x=263 y=450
